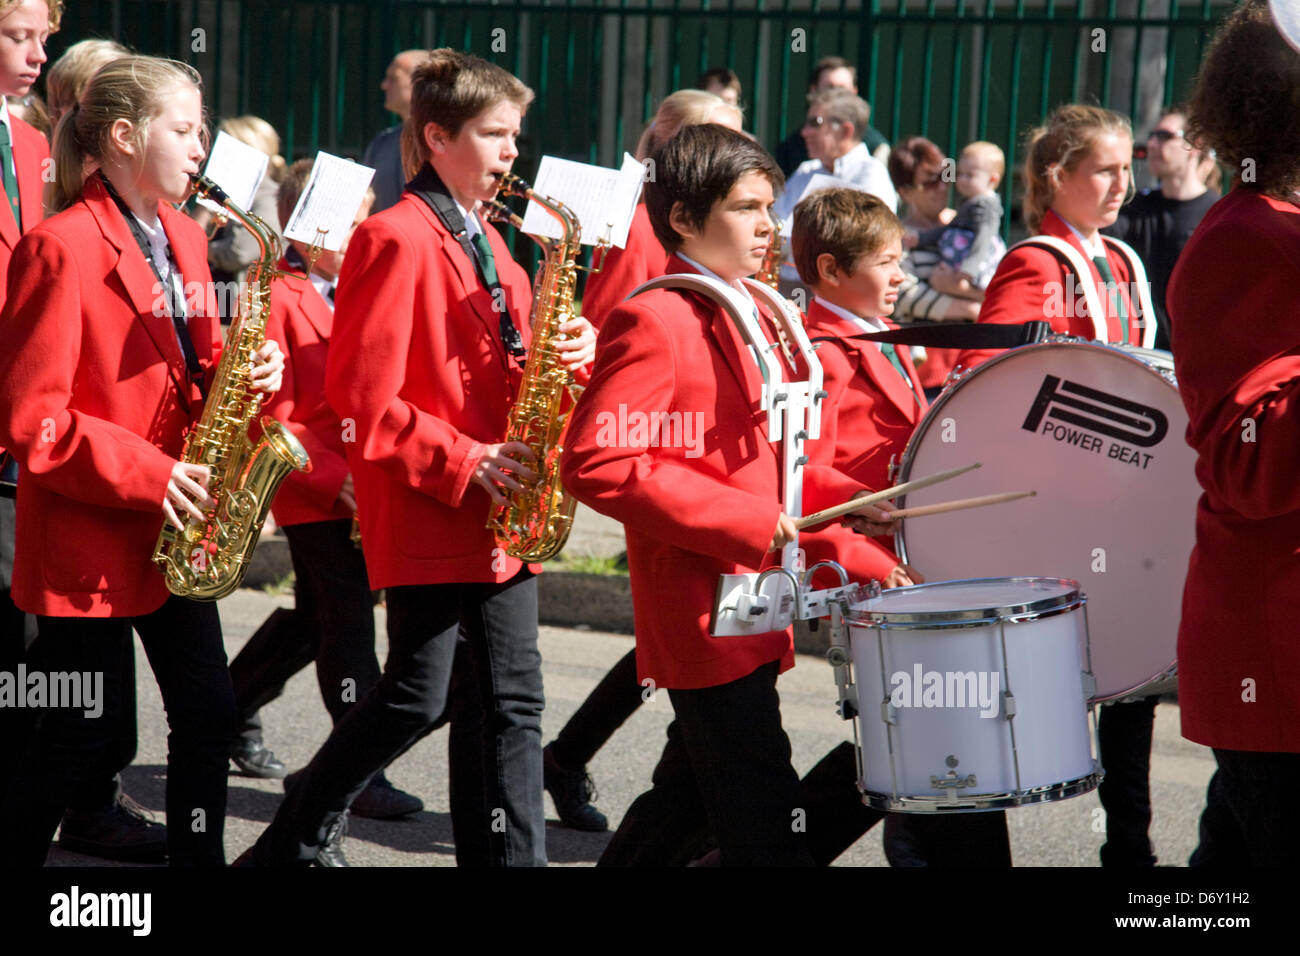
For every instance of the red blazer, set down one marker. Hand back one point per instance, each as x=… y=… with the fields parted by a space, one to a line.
x=868 y=418
x=416 y=365
x=89 y=406
x=30 y=154
x=692 y=510
x=300 y=322
x=1024 y=289
x=1237 y=355
x=642 y=259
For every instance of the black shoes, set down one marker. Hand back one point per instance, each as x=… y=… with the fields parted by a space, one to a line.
x=255 y=759
x=382 y=801
x=572 y=791
x=122 y=831
x=331 y=854
x=379 y=801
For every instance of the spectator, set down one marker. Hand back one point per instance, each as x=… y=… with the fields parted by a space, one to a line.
x=384 y=153
x=722 y=82
x=830 y=73
x=1158 y=223
x=31 y=110
x=73 y=70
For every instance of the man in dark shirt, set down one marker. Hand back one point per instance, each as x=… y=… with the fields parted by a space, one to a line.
x=384 y=154
x=831 y=72
x=1158 y=223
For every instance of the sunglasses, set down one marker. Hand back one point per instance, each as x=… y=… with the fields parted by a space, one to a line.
x=1164 y=135
x=816 y=122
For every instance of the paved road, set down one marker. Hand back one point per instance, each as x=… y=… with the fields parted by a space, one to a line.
x=1058 y=834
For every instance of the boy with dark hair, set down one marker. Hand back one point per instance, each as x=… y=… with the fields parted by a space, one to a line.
x=692 y=514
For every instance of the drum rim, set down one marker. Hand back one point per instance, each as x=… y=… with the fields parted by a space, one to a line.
x=910 y=450
x=1070 y=599
x=935 y=803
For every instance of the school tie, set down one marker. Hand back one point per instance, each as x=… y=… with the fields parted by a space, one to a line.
x=1113 y=293
x=10 y=180
x=485 y=259
x=891 y=353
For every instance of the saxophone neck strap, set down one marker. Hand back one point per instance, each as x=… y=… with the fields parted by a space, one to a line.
x=428 y=185
x=173 y=296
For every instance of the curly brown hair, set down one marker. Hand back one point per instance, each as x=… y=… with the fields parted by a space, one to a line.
x=1246 y=105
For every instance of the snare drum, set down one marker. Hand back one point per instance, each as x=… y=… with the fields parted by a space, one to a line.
x=972 y=695
x=1097 y=430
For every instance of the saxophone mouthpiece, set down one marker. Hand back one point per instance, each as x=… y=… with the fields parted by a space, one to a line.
x=208 y=189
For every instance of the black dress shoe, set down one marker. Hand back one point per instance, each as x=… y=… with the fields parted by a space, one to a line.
x=382 y=801
x=122 y=831
x=255 y=759
x=331 y=854
x=572 y=791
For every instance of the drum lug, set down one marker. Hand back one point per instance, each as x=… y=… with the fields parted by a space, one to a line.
x=1008 y=705
x=888 y=712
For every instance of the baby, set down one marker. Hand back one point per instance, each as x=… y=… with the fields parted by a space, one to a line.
x=970 y=245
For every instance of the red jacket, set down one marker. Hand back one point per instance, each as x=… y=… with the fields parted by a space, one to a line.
x=90 y=408
x=30 y=155
x=300 y=322
x=1033 y=284
x=417 y=368
x=693 y=507
x=1236 y=346
x=868 y=418
x=642 y=259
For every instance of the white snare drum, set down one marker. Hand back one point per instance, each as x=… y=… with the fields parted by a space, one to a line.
x=1098 y=431
x=972 y=695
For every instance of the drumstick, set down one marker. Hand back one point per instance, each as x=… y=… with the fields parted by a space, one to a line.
x=835 y=511
x=943 y=507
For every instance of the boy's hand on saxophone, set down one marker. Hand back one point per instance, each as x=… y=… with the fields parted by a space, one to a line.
x=268 y=368
x=188 y=484
x=500 y=465
x=579 y=347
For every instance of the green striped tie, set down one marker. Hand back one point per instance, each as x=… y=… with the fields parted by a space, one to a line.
x=486 y=260
x=10 y=180
x=1113 y=293
x=891 y=353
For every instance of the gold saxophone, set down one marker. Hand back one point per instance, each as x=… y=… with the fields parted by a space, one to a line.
x=534 y=523
x=769 y=272
x=207 y=559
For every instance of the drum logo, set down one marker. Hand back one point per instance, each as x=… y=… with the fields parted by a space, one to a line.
x=922 y=688
x=1061 y=404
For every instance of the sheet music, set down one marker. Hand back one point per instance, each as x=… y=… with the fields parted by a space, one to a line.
x=237 y=168
x=329 y=201
x=604 y=200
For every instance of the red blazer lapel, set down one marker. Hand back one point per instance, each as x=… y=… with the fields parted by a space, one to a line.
x=191 y=252
x=909 y=401
x=1054 y=225
x=137 y=279
x=307 y=301
x=30 y=155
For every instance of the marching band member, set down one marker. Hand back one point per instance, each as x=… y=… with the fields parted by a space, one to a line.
x=333 y=620
x=847 y=246
x=1235 y=349
x=103 y=364
x=642 y=257
x=429 y=340
x=690 y=518
x=1077 y=174
x=618 y=695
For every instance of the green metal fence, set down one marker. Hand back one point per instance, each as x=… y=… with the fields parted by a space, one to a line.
x=954 y=71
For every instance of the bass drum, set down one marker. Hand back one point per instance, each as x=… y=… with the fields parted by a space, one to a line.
x=1097 y=430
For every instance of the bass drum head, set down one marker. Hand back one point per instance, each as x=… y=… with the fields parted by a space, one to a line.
x=1098 y=432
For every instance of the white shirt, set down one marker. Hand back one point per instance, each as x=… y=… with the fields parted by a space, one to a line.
x=866 y=325
x=857 y=166
x=162 y=261
x=1093 y=251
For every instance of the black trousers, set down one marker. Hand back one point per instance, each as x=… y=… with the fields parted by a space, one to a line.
x=1124 y=729
x=332 y=623
x=725 y=771
x=1249 y=818
x=66 y=748
x=496 y=760
x=614 y=700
